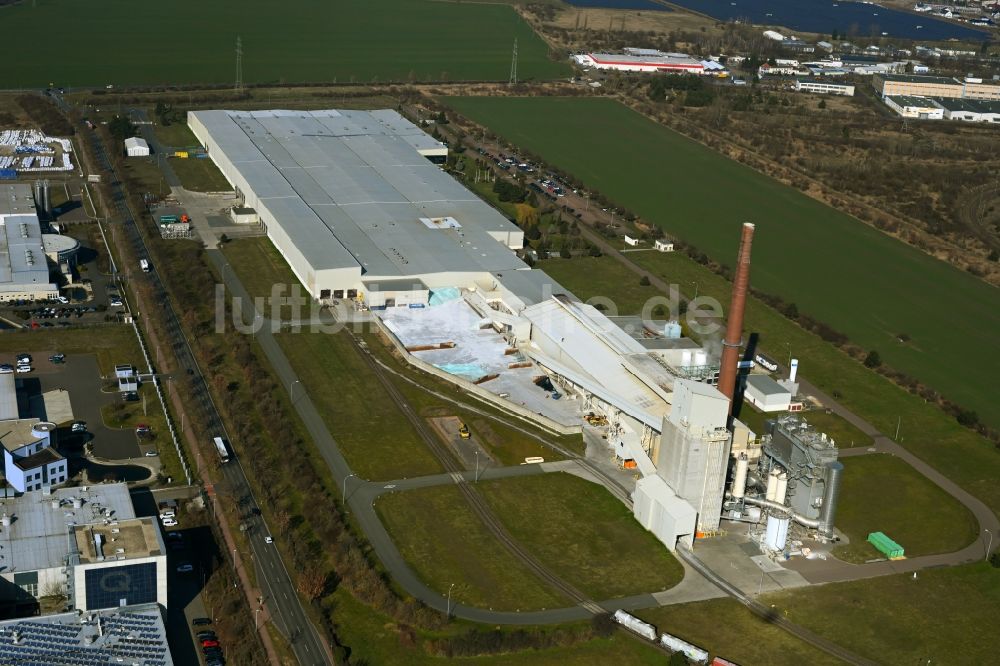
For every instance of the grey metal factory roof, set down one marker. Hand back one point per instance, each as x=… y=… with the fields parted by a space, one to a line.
x=531 y=286
x=39 y=533
x=765 y=385
x=127 y=635
x=350 y=188
x=22 y=257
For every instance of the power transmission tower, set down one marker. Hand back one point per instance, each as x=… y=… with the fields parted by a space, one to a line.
x=513 y=65
x=238 y=88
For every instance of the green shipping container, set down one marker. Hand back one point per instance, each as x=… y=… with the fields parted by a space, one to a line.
x=885 y=545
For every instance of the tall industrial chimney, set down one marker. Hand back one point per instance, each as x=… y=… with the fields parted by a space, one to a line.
x=734 y=323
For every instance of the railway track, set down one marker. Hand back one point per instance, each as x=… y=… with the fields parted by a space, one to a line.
x=306 y=643
x=473 y=498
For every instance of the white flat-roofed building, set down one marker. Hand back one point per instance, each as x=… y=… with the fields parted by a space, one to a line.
x=351 y=201
x=825 y=87
x=910 y=106
x=136 y=147
x=24 y=269
x=49 y=546
x=675 y=63
x=766 y=394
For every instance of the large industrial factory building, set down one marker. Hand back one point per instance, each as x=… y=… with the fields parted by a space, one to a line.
x=355 y=206
x=351 y=201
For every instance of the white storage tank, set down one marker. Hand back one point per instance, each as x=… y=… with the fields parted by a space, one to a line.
x=672 y=330
x=700 y=358
x=776 y=534
x=740 y=478
x=772 y=484
x=782 y=490
x=686 y=358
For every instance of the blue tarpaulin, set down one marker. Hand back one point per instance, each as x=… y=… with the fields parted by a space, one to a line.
x=443 y=295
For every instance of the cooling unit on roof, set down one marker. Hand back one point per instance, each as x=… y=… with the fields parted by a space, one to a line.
x=440 y=223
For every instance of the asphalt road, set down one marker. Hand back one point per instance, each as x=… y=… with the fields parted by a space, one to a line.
x=281 y=598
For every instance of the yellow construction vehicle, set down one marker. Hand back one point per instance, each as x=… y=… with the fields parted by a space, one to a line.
x=463 y=432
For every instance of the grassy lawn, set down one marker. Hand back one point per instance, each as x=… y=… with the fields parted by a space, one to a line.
x=175 y=135
x=200 y=175
x=375 y=639
x=583 y=534
x=881 y=493
x=721 y=626
x=354 y=41
x=375 y=438
x=260 y=267
x=938 y=617
x=445 y=542
x=618 y=289
x=860 y=281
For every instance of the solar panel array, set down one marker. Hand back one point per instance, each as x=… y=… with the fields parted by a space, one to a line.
x=128 y=638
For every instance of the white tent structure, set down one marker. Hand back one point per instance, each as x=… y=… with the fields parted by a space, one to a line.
x=136 y=147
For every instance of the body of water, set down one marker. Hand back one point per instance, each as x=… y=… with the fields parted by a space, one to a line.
x=620 y=4
x=853 y=19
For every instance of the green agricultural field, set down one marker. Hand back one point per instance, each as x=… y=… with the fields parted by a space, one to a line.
x=881 y=493
x=861 y=282
x=195 y=42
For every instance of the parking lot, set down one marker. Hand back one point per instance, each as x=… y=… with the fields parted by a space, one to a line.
x=80 y=376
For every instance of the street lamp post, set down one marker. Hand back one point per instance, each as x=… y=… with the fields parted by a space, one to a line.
x=695 y=283
x=477 y=465
x=989 y=544
x=291 y=389
x=448 y=613
x=256 y=615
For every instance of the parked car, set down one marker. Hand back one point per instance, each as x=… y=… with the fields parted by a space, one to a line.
x=199 y=621
x=268 y=539
x=186 y=567
x=209 y=643
x=23 y=368
x=62 y=299
x=206 y=634
x=169 y=522
x=24 y=358
x=79 y=426
x=130 y=396
x=6 y=369
x=142 y=430
x=58 y=358
x=152 y=454
x=177 y=536
x=115 y=302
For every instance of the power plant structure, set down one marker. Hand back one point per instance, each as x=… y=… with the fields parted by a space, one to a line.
x=791 y=478
x=791 y=475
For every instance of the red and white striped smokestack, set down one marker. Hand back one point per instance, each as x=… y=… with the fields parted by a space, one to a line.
x=734 y=324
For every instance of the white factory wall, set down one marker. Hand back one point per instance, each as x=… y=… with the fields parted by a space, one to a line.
x=774 y=402
x=660 y=511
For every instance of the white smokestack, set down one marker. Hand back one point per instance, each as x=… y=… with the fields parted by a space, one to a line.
x=793 y=370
